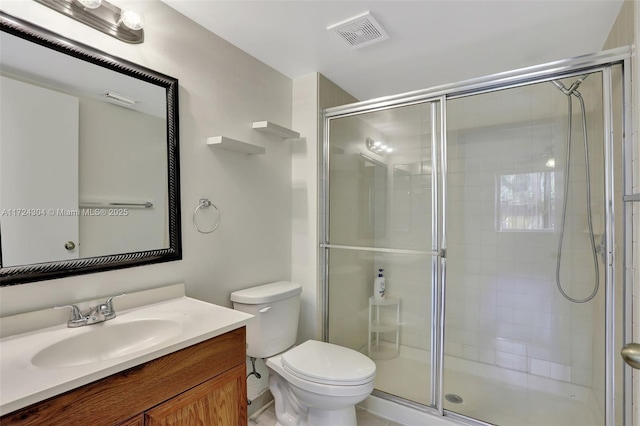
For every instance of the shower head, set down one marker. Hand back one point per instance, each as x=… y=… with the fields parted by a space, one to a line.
x=574 y=86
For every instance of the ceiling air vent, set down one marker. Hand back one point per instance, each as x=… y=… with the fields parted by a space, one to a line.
x=360 y=31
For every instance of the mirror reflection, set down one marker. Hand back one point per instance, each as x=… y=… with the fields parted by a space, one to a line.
x=84 y=156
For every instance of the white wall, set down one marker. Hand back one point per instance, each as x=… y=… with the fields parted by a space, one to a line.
x=304 y=197
x=222 y=91
x=311 y=94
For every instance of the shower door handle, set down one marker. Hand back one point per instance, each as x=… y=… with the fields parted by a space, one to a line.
x=631 y=354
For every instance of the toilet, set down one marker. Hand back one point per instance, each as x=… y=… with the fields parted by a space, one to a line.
x=314 y=383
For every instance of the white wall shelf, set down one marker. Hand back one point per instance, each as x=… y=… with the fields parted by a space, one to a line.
x=275 y=129
x=234 y=145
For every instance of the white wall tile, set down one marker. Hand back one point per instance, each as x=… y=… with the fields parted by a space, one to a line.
x=487 y=356
x=470 y=352
x=540 y=368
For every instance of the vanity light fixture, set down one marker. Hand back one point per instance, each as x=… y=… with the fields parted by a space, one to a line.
x=123 y=24
x=378 y=147
x=131 y=19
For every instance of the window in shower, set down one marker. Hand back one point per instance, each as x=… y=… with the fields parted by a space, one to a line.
x=526 y=201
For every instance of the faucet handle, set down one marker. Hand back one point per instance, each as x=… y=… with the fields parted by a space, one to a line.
x=76 y=317
x=107 y=308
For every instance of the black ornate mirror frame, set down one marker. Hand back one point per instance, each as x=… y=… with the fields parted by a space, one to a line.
x=51 y=270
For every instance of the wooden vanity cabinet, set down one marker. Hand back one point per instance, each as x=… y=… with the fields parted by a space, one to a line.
x=214 y=403
x=202 y=384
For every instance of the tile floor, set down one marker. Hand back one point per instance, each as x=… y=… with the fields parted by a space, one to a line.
x=268 y=418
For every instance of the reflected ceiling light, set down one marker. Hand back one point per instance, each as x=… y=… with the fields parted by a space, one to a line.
x=378 y=147
x=119 y=98
x=549 y=159
x=125 y=25
x=90 y=4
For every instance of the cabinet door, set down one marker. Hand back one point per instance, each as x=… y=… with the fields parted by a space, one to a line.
x=221 y=401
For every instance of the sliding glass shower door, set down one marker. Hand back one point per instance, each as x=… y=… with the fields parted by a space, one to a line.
x=490 y=208
x=525 y=312
x=380 y=192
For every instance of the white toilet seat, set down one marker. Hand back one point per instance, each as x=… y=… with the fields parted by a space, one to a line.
x=328 y=364
x=274 y=363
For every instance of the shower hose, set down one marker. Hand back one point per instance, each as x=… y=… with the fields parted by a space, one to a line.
x=568 y=92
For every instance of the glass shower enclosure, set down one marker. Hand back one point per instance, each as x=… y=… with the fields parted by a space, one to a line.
x=493 y=209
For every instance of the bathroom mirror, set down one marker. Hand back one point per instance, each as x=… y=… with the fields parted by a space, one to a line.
x=89 y=177
x=373 y=197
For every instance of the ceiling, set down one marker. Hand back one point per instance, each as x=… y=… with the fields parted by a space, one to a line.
x=431 y=42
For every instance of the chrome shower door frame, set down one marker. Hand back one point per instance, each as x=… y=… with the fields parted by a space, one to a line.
x=439 y=95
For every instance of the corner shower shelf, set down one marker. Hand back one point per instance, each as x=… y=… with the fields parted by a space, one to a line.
x=378 y=324
x=275 y=129
x=234 y=145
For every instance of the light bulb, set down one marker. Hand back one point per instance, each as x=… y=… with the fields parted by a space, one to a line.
x=551 y=163
x=377 y=143
x=90 y=4
x=389 y=150
x=131 y=19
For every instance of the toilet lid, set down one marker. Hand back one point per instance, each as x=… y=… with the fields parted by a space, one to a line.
x=330 y=364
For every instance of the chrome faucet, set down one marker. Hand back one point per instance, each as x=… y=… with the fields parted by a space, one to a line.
x=95 y=314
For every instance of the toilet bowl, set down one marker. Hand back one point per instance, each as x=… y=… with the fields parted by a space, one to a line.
x=325 y=380
x=313 y=384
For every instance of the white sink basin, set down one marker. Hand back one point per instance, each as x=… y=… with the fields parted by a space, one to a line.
x=105 y=341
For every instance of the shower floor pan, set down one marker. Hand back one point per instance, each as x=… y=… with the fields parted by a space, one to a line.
x=500 y=396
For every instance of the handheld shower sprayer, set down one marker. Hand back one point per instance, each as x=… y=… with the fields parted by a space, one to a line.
x=572 y=90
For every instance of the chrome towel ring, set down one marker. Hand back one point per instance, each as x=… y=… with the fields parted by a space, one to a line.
x=205 y=203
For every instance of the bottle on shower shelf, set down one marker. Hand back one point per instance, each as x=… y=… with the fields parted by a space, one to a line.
x=379 y=287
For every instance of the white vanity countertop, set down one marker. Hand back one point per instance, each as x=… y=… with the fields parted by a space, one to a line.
x=21 y=383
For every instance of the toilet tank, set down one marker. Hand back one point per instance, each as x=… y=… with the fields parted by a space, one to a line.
x=276 y=307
